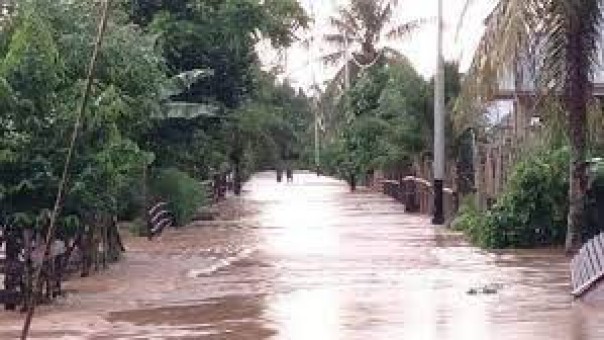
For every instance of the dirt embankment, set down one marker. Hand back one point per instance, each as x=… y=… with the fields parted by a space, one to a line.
x=152 y=275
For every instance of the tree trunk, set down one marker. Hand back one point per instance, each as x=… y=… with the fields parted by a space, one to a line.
x=237 y=177
x=87 y=249
x=28 y=290
x=13 y=269
x=115 y=246
x=105 y=242
x=76 y=241
x=478 y=174
x=237 y=159
x=578 y=180
x=577 y=89
x=352 y=183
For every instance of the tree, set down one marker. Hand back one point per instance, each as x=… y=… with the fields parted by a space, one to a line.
x=391 y=109
x=41 y=72
x=218 y=36
x=43 y=55
x=136 y=116
x=561 y=40
x=364 y=30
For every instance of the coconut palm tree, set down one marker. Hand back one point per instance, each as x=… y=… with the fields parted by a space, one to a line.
x=363 y=34
x=563 y=39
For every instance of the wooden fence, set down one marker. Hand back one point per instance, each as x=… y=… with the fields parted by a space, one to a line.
x=417 y=195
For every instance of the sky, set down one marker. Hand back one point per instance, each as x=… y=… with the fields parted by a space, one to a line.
x=303 y=68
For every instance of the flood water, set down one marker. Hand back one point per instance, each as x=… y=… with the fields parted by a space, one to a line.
x=309 y=260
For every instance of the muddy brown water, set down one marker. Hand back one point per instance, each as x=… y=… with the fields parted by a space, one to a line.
x=310 y=260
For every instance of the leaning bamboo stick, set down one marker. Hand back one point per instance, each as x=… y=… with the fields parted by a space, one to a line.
x=60 y=192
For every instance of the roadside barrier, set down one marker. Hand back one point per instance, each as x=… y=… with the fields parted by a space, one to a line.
x=587 y=267
x=416 y=194
x=158 y=218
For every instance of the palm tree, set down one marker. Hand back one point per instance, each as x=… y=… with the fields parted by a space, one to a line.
x=563 y=37
x=363 y=35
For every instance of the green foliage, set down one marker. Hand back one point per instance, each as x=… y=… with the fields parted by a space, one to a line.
x=470 y=219
x=136 y=227
x=364 y=97
x=32 y=63
x=390 y=125
x=44 y=55
x=274 y=125
x=254 y=122
x=184 y=193
x=280 y=19
x=532 y=210
x=221 y=36
x=371 y=28
x=42 y=73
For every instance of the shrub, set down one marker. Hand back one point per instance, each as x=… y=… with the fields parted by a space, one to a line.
x=595 y=201
x=470 y=220
x=532 y=210
x=130 y=200
x=136 y=227
x=184 y=193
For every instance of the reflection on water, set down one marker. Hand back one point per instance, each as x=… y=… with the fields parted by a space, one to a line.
x=306 y=314
x=354 y=266
x=317 y=262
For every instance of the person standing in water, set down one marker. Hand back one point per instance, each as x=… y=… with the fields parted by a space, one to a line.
x=290 y=175
x=279 y=175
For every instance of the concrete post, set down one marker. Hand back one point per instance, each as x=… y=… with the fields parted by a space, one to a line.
x=439 y=125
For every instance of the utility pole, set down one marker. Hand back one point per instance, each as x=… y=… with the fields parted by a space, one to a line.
x=346 y=65
x=439 y=125
x=349 y=115
x=317 y=145
x=314 y=86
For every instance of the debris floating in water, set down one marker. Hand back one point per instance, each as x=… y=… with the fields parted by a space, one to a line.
x=485 y=290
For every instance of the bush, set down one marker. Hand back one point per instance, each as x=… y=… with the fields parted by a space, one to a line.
x=469 y=219
x=531 y=212
x=595 y=201
x=136 y=227
x=183 y=193
x=130 y=200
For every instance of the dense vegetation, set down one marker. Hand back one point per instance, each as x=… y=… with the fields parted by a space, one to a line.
x=379 y=117
x=523 y=217
x=389 y=125
x=389 y=106
x=558 y=45
x=178 y=96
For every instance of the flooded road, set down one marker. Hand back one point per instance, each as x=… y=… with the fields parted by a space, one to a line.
x=310 y=260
